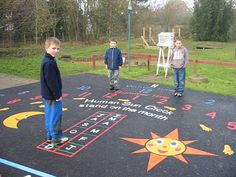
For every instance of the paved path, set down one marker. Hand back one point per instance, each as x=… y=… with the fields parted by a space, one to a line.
x=8 y=81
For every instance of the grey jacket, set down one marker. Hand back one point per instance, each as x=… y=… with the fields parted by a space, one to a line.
x=179 y=58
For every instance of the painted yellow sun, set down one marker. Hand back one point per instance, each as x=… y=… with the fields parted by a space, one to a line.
x=162 y=147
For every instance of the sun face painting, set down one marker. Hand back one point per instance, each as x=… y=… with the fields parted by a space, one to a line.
x=165 y=146
x=162 y=147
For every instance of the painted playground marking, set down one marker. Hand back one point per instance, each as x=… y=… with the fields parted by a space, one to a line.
x=84 y=133
x=156 y=106
x=161 y=148
x=24 y=168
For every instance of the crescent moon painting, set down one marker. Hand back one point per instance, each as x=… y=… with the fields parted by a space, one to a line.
x=13 y=120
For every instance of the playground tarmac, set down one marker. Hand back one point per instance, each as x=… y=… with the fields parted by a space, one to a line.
x=141 y=130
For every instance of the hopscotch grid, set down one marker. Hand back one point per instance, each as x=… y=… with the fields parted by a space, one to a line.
x=72 y=154
x=59 y=147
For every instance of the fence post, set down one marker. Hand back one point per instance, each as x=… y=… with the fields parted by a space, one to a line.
x=94 y=61
x=125 y=55
x=148 y=62
x=195 y=67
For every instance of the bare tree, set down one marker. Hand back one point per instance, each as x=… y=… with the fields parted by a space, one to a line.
x=175 y=12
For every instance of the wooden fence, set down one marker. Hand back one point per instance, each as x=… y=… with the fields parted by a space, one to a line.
x=139 y=59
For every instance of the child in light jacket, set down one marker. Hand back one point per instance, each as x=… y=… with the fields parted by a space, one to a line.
x=179 y=61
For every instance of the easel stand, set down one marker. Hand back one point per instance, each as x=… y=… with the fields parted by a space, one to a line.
x=162 y=61
x=165 y=41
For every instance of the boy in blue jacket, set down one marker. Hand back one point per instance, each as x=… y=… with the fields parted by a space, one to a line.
x=113 y=61
x=51 y=91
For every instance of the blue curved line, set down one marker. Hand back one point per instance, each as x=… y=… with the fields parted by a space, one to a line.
x=24 y=168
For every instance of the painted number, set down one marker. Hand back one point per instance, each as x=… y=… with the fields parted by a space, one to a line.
x=210 y=102
x=65 y=95
x=36 y=98
x=22 y=93
x=146 y=90
x=111 y=95
x=163 y=100
x=211 y=115
x=13 y=101
x=84 y=87
x=231 y=125
x=187 y=107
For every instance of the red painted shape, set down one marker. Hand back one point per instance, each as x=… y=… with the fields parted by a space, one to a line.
x=13 y=101
x=85 y=94
x=211 y=114
x=163 y=100
x=231 y=125
x=36 y=98
x=187 y=107
x=135 y=95
x=114 y=94
x=65 y=95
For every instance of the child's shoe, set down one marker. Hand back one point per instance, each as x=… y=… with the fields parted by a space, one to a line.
x=112 y=87
x=179 y=95
x=49 y=140
x=175 y=93
x=60 y=141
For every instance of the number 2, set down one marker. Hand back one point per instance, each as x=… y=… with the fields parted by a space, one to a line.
x=187 y=107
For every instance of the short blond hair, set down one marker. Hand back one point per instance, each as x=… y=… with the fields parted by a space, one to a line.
x=52 y=40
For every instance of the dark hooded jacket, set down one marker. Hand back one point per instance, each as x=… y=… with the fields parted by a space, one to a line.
x=113 y=58
x=50 y=78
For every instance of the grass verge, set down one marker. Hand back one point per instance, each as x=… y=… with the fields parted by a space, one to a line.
x=222 y=79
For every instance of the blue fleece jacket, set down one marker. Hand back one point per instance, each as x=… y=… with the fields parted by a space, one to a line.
x=113 y=58
x=50 y=78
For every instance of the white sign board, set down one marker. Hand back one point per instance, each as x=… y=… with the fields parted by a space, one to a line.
x=165 y=39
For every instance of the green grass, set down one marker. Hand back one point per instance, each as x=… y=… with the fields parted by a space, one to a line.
x=222 y=79
x=30 y=67
x=83 y=51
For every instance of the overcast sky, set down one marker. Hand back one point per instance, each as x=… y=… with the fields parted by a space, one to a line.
x=189 y=2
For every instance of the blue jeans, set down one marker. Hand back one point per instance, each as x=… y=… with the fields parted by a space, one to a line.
x=113 y=76
x=53 y=115
x=179 y=80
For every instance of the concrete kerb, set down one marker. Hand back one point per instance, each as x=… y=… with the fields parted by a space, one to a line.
x=8 y=81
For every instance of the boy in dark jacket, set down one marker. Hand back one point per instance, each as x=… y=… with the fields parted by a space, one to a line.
x=113 y=61
x=51 y=91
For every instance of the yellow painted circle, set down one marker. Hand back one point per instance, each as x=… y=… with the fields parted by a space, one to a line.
x=165 y=146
